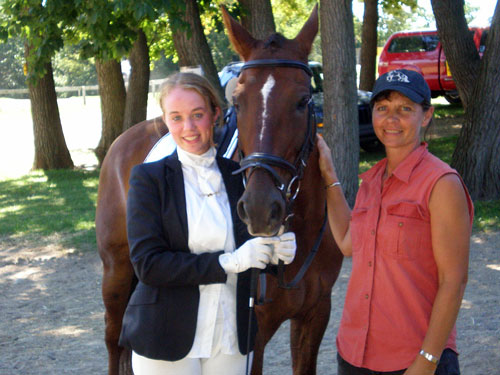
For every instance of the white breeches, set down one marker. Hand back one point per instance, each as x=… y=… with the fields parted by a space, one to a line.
x=215 y=365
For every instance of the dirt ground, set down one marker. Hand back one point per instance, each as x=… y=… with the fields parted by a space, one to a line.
x=51 y=318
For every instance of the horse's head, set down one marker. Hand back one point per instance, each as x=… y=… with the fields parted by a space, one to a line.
x=275 y=121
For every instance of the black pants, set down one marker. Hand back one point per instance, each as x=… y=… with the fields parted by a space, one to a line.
x=448 y=365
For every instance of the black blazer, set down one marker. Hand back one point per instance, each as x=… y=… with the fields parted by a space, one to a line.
x=160 y=319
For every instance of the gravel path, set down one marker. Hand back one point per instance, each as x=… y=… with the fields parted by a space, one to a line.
x=51 y=313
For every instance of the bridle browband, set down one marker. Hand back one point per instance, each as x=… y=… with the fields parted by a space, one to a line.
x=267 y=161
x=277 y=63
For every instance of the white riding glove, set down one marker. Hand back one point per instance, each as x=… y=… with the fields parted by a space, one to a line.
x=284 y=248
x=255 y=253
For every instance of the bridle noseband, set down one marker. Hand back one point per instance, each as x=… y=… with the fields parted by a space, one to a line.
x=267 y=161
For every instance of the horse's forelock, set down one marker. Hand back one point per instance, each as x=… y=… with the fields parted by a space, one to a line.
x=281 y=47
x=275 y=41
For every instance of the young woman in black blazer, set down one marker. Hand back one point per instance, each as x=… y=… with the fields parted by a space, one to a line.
x=191 y=253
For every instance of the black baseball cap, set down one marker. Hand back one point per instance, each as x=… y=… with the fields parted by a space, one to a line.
x=408 y=82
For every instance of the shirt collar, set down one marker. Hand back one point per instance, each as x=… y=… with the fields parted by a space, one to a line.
x=193 y=160
x=404 y=170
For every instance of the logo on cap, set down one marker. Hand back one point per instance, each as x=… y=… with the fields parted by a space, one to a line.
x=397 y=76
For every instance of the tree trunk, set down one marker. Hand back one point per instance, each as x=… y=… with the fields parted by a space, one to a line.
x=258 y=18
x=369 y=45
x=476 y=156
x=136 y=105
x=341 y=130
x=192 y=47
x=51 y=151
x=112 y=93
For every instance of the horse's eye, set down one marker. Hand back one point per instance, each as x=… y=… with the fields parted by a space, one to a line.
x=302 y=104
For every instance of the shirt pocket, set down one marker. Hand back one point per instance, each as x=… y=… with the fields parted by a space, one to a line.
x=359 y=225
x=408 y=231
x=144 y=295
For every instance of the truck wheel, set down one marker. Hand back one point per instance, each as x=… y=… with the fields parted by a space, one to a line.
x=452 y=97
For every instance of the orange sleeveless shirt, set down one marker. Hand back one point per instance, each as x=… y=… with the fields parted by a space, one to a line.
x=394 y=277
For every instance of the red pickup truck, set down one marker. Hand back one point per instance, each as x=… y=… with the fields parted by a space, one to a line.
x=422 y=51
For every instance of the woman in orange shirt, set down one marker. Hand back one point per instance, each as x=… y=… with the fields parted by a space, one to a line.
x=408 y=235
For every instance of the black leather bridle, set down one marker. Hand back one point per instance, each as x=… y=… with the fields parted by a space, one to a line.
x=267 y=161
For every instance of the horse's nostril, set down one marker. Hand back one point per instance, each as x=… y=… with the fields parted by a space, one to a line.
x=276 y=212
x=242 y=213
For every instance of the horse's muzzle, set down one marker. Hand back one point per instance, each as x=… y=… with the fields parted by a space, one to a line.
x=262 y=210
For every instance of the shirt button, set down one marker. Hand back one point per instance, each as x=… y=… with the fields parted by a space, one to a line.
x=372 y=232
x=400 y=224
x=369 y=263
x=367 y=296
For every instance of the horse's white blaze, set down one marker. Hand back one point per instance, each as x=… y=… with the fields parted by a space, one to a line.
x=266 y=92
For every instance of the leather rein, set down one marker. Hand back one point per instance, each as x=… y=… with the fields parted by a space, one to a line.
x=268 y=161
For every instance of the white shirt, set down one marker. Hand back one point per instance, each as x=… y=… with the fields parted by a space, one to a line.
x=210 y=229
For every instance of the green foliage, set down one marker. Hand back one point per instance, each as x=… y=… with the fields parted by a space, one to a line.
x=470 y=11
x=213 y=26
x=71 y=70
x=11 y=64
x=290 y=16
x=163 y=67
x=41 y=25
x=397 y=16
x=51 y=202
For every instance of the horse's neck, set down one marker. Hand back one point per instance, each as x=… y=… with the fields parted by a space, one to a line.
x=312 y=197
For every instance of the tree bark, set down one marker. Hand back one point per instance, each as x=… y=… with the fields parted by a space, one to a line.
x=136 y=105
x=341 y=130
x=369 y=45
x=192 y=47
x=51 y=151
x=476 y=156
x=258 y=18
x=113 y=96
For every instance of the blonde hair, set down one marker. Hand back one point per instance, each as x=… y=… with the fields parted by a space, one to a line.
x=192 y=81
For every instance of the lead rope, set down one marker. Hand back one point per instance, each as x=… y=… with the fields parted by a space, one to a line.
x=251 y=303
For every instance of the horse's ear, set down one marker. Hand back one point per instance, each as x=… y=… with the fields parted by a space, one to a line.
x=306 y=36
x=240 y=38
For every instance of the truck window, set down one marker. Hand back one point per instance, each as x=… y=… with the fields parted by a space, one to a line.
x=417 y=43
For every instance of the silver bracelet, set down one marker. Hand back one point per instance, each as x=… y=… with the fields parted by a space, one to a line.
x=429 y=357
x=337 y=183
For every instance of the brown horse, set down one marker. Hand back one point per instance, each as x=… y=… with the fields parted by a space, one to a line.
x=129 y=149
x=277 y=139
x=278 y=130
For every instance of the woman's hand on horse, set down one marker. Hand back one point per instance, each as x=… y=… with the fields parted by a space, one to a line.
x=284 y=248
x=325 y=161
x=255 y=253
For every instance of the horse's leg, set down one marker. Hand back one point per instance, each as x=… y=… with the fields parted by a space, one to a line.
x=268 y=325
x=306 y=334
x=116 y=287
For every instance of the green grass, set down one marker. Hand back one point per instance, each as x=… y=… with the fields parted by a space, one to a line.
x=486 y=213
x=60 y=202
x=448 y=110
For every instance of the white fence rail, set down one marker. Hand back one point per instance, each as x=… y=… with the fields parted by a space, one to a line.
x=154 y=85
